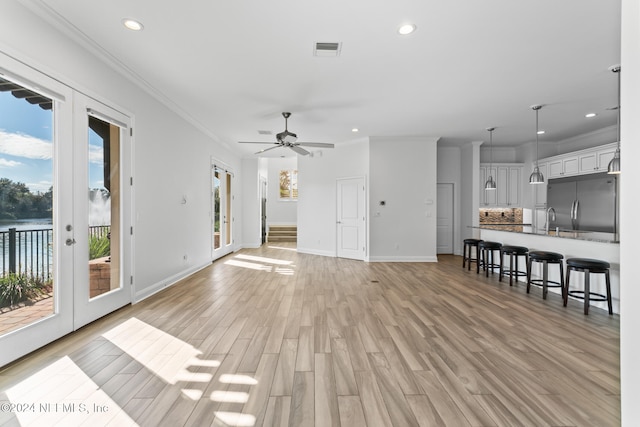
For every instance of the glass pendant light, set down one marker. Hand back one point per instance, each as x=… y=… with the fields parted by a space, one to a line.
x=536 y=177
x=614 y=164
x=490 y=184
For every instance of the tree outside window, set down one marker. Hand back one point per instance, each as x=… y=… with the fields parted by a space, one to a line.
x=289 y=184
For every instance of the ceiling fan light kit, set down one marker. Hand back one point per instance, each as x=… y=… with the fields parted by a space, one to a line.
x=289 y=139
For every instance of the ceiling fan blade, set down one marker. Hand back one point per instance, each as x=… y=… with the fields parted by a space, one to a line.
x=256 y=142
x=316 y=144
x=267 y=149
x=299 y=150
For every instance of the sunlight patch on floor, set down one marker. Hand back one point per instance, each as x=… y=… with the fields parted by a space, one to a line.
x=61 y=394
x=264 y=259
x=166 y=356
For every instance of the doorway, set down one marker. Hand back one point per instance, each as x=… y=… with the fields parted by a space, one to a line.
x=351 y=218
x=445 y=219
x=70 y=154
x=222 y=207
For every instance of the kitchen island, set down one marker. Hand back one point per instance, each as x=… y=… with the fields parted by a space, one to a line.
x=571 y=244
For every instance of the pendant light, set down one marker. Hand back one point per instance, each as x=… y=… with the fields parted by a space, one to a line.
x=490 y=184
x=536 y=177
x=614 y=164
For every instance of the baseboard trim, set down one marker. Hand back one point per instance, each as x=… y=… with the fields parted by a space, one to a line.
x=168 y=282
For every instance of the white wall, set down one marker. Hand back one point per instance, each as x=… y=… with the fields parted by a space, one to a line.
x=449 y=162
x=403 y=173
x=171 y=156
x=317 y=177
x=250 y=196
x=470 y=189
x=280 y=212
x=630 y=232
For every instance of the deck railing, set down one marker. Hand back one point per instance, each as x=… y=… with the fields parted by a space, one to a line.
x=30 y=252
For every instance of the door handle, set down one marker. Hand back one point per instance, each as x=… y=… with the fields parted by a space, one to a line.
x=70 y=242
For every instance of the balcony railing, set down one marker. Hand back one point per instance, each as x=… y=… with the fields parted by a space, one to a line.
x=30 y=252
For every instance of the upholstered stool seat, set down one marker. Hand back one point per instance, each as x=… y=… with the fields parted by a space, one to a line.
x=487 y=258
x=588 y=266
x=466 y=252
x=514 y=252
x=546 y=258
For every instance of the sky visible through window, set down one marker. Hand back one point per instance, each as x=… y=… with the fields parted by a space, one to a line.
x=26 y=148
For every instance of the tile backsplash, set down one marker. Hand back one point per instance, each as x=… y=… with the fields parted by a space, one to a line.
x=500 y=215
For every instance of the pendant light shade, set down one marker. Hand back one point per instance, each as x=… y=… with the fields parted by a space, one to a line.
x=536 y=177
x=490 y=184
x=614 y=164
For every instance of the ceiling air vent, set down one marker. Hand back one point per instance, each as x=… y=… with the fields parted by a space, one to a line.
x=327 y=49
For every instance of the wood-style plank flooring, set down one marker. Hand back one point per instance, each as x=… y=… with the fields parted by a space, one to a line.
x=270 y=337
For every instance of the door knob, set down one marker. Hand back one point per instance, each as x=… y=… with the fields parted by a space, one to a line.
x=70 y=242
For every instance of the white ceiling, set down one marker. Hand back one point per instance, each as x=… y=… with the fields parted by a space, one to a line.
x=232 y=67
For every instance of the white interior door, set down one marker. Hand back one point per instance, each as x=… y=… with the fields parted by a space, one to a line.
x=36 y=158
x=351 y=218
x=445 y=219
x=222 y=207
x=101 y=226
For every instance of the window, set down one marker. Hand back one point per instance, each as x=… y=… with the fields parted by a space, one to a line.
x=289 y=185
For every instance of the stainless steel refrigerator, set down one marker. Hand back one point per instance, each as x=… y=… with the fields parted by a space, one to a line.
x=584 y=203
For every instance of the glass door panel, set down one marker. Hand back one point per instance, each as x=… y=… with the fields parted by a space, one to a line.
x=35 y=169
x=103 y=137
x=222 y=198
x=104 y=207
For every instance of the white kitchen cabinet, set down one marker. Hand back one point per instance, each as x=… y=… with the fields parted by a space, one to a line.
x=487 y=197
x=508 y=179
x=563 y=166
x=540 y=190
x=591 y=160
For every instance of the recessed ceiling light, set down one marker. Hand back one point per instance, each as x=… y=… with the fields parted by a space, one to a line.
x=540 y=132
x=132 y=24
x=406 y=29
x=355 y=130
x=589 y=115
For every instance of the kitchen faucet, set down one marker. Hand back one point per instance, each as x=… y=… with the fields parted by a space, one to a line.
x=551 y=211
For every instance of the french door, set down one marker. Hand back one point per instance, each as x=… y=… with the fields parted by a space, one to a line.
x=101 y=228
x=222 y=207
x=58 y=174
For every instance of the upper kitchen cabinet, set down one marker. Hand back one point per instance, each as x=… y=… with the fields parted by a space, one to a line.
x=563 y=166
x=596 y=161
x=592 y=160
x=508 y=179
x=541 y=189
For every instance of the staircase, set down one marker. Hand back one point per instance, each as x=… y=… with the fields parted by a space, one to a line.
x=282 y=233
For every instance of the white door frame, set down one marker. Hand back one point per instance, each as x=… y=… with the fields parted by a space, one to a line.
x=225 y=203
x=88 y=309
x=352 y=222
x=22 y=341
x=441 y=203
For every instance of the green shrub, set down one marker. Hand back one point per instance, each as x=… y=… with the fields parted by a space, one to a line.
x=16 y=288
x=99 y=247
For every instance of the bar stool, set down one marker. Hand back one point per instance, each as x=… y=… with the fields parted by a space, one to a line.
x=514 y=253
x=466 y=252
x=546 y=258
x=588 y=266
x=487 y=259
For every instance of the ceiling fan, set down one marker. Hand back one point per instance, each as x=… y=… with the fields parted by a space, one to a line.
x=288 y=139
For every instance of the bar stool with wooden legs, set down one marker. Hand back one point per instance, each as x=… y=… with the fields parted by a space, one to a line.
x=546 y=258
x=487 y=258
x=588 y=266
x=514 y=252
x=469 y=244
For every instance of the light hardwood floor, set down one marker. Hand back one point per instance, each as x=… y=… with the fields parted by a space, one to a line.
x=275 y=338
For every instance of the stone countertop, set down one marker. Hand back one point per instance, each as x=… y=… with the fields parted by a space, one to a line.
x=592 y=236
